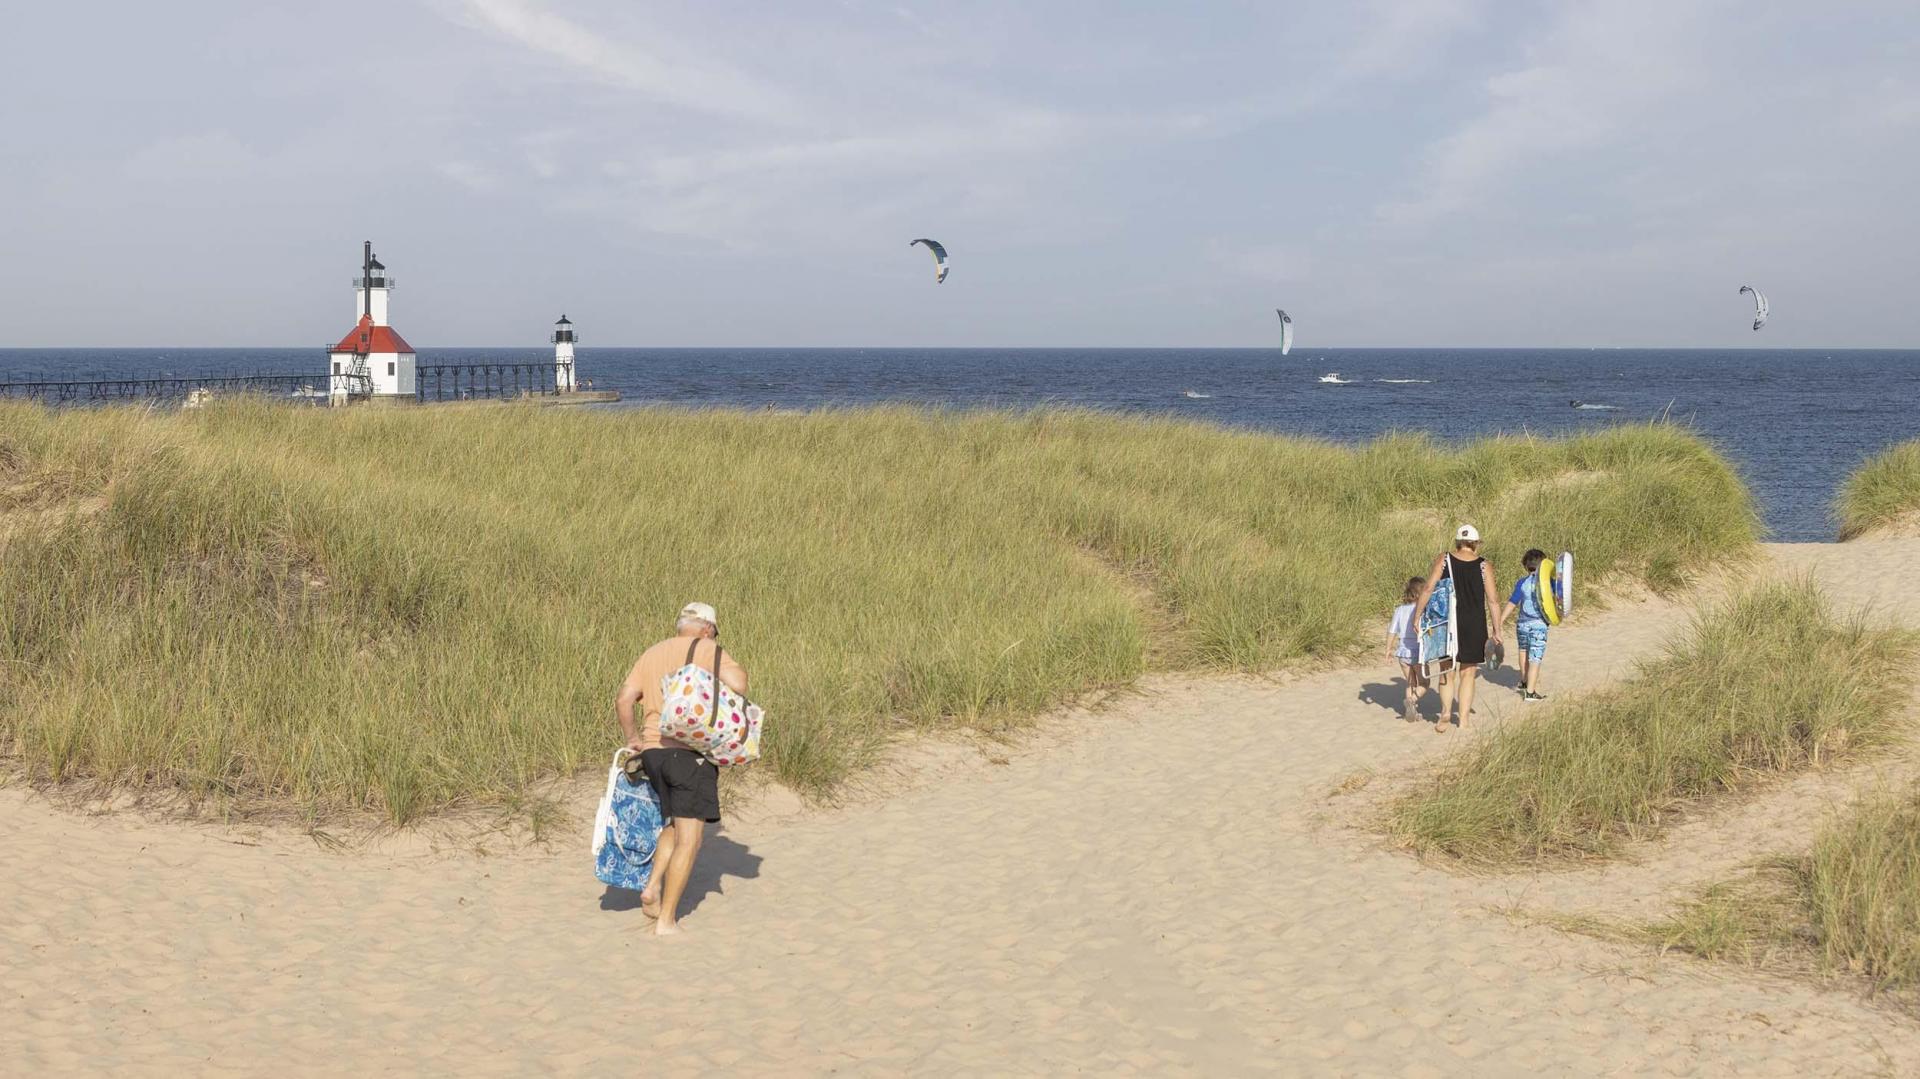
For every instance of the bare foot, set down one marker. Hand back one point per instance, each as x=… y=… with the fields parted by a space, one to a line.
x=1440 y=727
x=650 y=905
x=665 y=928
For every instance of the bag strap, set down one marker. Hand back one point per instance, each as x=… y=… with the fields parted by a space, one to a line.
x=716 y=675
x=691 y=647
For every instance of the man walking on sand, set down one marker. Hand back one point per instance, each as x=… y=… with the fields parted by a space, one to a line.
x=687 y=783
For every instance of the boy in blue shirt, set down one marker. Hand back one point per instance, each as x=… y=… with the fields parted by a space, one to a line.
x=1531 y=630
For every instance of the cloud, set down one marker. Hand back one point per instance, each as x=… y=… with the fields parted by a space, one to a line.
x=1398 y=34
x=1599 y=70
x=1894 y=103
x=207 y=156
x=468 y=175
x=1268 y=264
x=687 y=80
x=993 y=165
x=1012 y=132
x=746 y=197
x=956 y=135
x=1389 y=170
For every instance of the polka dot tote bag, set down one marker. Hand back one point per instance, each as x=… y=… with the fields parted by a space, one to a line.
x=700 y=712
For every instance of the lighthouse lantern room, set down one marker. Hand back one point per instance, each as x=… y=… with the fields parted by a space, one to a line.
x=370 y=288
x=372 y=360
x=563 y=379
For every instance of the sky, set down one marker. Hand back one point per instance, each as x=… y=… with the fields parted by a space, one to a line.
x=739 y=173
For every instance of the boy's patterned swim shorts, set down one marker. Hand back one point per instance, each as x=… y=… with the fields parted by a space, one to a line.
x=1533 y=639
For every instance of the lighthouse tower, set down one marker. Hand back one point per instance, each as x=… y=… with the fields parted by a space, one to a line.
x=371 y=360
x=563 y=379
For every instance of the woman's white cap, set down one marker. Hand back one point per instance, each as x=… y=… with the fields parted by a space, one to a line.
x=1467 y=534
x=702 y=611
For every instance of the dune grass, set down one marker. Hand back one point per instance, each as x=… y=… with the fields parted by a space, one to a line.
x=1771 y=681
x=1850 y=905
x=1756 y=920
x=1863 y=891
x=403 y=609
x=1882 y=492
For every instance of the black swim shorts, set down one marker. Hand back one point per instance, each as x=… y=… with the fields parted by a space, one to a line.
x=687 y=784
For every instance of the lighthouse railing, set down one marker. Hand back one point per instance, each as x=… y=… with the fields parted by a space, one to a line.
x=308 y=388
x=483 y=381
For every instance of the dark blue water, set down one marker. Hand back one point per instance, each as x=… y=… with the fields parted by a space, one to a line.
x=1795 y=422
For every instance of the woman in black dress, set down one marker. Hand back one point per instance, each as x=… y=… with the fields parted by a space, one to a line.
x=1473 y=618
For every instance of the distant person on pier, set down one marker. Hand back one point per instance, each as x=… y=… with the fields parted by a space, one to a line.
x=687 y=783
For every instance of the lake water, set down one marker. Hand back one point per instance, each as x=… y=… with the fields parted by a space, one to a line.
x=1796 y=422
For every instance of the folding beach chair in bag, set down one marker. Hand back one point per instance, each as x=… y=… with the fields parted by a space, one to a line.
x=700 y=712
x=626 y=827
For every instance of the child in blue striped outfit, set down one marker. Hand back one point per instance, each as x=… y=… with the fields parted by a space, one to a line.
x=1531 y=630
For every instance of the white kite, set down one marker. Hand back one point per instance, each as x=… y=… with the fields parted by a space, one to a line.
x=1759 y=305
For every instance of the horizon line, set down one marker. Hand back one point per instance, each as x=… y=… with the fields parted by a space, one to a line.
x=321 y=350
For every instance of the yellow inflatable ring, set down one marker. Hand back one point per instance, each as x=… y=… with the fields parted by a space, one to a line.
x=1543 y=577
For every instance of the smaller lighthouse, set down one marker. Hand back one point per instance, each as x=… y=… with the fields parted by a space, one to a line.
x=371 y=360
x=563 y=379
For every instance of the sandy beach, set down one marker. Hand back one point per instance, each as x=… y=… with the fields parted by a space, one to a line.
x=1062 y=904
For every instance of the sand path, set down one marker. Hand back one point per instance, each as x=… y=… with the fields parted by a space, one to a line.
x=1102 y=902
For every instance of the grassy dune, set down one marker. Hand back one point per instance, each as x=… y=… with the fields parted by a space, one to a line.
x=1851 y=904
x=1883 y=492
x=402 y=609
x=1713 y=712
x=1863 y=891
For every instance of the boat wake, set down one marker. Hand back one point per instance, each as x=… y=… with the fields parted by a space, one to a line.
x=1585 y=406
x=1198 y=396
x=1404 y=381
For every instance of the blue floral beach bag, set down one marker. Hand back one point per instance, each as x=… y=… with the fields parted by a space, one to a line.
x=1436 y=622
x=626 y=827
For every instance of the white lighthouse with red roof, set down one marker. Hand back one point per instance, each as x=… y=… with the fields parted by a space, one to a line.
x=371 y=361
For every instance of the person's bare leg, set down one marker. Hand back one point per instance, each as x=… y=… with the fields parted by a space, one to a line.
x=1468 y=676
x=1446 y=698
x=1533 y=677
x=662 y=854
x=688 y=832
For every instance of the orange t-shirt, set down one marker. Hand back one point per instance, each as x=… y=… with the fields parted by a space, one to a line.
x=663 y=659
